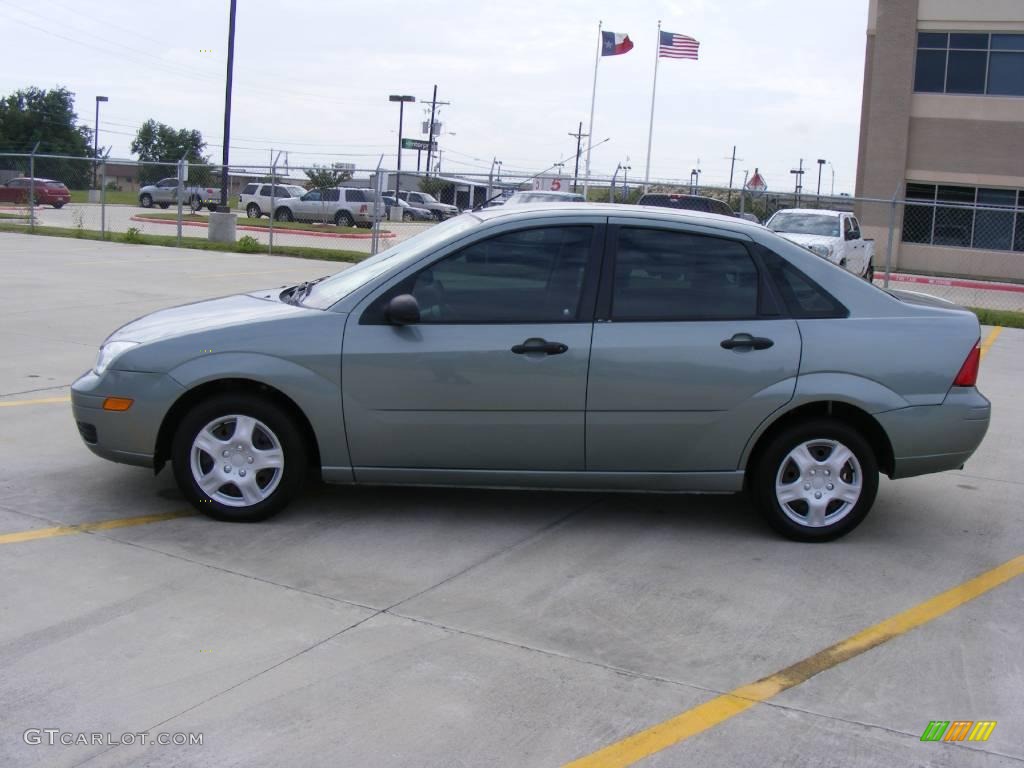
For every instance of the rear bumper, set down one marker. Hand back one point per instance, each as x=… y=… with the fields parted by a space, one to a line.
x=936 y=438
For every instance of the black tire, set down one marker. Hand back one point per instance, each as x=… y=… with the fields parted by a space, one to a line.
x=406 y=216
x=212 y=207
x=773 y=462
x=869 y=273
x=344 y=219
x=281 y=424
x=438 y=216
x=253 y=211
x=164 y=205
x=58 y=206
x=146 y=200
x=284 y=214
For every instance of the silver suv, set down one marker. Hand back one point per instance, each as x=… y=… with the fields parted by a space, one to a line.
x=439 y=210
x=259 y=199
x=344 y=206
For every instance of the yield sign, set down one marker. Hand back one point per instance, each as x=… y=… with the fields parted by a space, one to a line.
x=757 y=182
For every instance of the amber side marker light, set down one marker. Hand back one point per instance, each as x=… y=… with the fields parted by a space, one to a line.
x=117 y=403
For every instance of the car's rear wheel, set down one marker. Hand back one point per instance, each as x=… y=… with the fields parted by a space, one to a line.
x=211 y=207
x=238 y=458
x=195 y=203
x=163 y=205
x=58 y=205
x=438 y=216
x=146 y=200
x=816 y=481
x=283 y=214
x=253 y=211
x=343 y=219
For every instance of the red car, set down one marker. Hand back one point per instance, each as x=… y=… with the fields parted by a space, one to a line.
x=47 y=192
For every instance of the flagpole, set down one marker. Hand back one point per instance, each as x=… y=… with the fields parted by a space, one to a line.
x=654 y=88
x=590 y=131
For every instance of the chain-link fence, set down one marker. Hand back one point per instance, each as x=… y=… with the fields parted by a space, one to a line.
x=959 y=243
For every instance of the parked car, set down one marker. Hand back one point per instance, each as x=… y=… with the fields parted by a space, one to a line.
x=259 y=199
x=500 y=348
x=46 y=191
x=165 y=193
x=409 y=212
x=541 y=196
x=439 y=210
x=345 y=206
x=746 y=216
x=686 y=203
x=833 y=235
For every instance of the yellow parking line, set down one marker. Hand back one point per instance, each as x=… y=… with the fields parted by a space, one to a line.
x=990 y=339
x=102 y=525
x=727 y=705
x=37 y=401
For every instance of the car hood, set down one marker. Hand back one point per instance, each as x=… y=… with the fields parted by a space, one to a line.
x=808 y=240
x=207 y=316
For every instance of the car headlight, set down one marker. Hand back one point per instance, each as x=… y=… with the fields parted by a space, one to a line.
x=110 y=352
x=825 y=251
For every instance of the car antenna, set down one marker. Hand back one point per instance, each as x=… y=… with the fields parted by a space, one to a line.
x=557 y=162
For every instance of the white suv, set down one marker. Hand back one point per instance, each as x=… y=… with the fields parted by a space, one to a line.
x=256 y=198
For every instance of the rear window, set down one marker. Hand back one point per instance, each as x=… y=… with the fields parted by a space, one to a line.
x=357 y=196
x=250 y=189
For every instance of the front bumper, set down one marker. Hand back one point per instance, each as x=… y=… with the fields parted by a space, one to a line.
x=936 y=438
x=128 y=437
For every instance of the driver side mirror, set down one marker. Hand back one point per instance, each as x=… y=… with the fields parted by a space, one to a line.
x=403 y=310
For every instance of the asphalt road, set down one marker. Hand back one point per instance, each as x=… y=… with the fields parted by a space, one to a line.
x=408 y=627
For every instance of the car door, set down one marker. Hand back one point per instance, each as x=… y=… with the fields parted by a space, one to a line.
x=856 y=248
x=307 y=207
x=494 y=375
x=165 y=191
x=690 y=353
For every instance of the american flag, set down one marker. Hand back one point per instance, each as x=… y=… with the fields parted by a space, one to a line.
x=677 y=46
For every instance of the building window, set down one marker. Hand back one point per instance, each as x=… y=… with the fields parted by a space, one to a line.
x=964 y=217
x=970 y=62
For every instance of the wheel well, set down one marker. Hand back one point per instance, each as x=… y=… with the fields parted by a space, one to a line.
x=860 y=420
x=233 y=386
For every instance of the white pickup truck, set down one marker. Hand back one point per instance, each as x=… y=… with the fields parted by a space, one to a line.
x=833 y=235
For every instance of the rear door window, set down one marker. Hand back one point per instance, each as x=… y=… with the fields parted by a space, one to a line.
x=802 y=296
x=662 y=275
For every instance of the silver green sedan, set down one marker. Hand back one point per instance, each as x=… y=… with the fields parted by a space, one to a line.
x=571 y=346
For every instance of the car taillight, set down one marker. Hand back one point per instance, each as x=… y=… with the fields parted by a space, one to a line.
x=362 y=209
x=968 y=375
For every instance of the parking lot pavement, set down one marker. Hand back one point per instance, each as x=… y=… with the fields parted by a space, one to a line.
x=408 y=627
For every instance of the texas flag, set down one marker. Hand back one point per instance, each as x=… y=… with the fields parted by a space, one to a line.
x=612 y=44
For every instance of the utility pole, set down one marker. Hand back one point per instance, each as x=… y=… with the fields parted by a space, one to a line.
x=821 y=163
x=799 y=174
x=227 y=109
x=430 y=128
x=579 y=136
x=732 y=168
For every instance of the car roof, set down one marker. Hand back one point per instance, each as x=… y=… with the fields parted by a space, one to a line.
x=824 y=211
x=646 y=212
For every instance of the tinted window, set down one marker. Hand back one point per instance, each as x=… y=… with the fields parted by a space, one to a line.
x=1006 y=74
x=802 y=296
x=250 y=189
x=312 y=197
x=1008 y=42
x=994 y=229
x=356 y=196
x=530 y=276
x=953 y=224
x=965 y=71
x=968 y=40
x=688 y=203
x=932 y=40
x=662 y=275
x=854 y=228
x=930 y=72
x=331 y=195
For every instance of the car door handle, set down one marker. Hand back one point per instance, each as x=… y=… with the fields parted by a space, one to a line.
x=741 y=340
x=540 y=346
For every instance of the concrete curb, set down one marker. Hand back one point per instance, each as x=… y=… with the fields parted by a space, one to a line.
x=303 y=232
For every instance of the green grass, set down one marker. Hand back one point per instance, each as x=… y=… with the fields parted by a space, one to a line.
x=197 y=243
x=261 y=222
x=1003 y=317
x=113 y=198
x=18 y=216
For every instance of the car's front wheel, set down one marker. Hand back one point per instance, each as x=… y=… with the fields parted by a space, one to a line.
x=58 y=206
x=816 y=481
x=253 y=211
x=238 y=458
x=146 y=200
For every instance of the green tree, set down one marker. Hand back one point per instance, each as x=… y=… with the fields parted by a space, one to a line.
x=437 y=187
x=325 y=177
x=160 y=143
x=33 y=115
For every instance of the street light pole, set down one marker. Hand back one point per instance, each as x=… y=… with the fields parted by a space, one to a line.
x=401 y=115
x=821 y=164
x=227 y=110
x=96 y=139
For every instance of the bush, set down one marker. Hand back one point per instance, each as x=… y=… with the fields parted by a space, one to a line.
x=249 y=244
x=133 y=235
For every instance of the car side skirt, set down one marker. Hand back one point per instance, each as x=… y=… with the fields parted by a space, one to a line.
x=657 y=482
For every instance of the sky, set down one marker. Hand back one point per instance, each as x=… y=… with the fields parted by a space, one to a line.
x=779 y=80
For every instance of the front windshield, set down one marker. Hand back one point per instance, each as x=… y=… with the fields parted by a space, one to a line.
x=428 y=198
x=333 y=289
x=296 y=191
x=805 y=224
